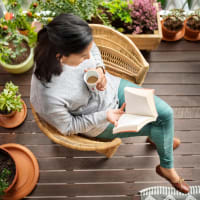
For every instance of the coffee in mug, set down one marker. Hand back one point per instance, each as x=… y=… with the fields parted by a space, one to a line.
x=91 y=78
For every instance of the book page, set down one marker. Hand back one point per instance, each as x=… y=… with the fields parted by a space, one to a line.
x=138 y=101
x=129 y=122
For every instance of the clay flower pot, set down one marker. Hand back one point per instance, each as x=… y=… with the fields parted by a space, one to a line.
x=166 y=32
x=23 y=32
x=15 y=119
x=6 y=153
x=11 y=114
x=191 y=33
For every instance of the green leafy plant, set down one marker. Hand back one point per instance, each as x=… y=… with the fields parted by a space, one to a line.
x=10 y=99
x=119 y=10
x=45 y=10
x=7 y=54
x=3 y=180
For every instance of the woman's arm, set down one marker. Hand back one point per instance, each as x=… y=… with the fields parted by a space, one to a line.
x=69 y=124
x=97 y=55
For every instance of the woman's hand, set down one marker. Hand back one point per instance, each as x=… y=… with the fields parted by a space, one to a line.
x=114 y=114
x=101 y=84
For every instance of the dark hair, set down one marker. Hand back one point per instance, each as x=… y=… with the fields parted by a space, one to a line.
x=64 y=35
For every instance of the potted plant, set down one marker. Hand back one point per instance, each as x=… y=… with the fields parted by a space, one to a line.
x=8 y=172
x=138 y=19
x=173 y=25
x=10 y=100
x=192 y=26
x=16 y=50
x=13 y=110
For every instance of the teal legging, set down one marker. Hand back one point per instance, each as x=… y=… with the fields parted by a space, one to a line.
x=161 y=132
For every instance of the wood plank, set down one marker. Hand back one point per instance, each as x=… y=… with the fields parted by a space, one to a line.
x=135 y=149
x=134 y=162
x=25 y=139
x=96 y=189
x=181 y=67
x=181 y=101
x=97 y=176
x=172 y=78
x=41 y=139
x=170 y=56
x=17 y=79
x=174 y=89
x=182 y=45
x=121 y=197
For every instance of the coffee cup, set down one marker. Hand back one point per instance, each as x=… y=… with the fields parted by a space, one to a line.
x=91 y=78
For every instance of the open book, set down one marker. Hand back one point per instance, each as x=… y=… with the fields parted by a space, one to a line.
x=140 y=110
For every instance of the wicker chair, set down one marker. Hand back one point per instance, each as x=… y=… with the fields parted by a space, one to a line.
x=121 y=58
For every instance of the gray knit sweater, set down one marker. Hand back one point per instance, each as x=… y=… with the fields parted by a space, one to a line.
x=67 y=104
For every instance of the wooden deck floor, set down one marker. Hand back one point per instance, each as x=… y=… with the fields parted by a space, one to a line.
x=73 y=175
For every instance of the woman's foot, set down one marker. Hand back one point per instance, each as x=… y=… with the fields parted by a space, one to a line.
x=176 y=142
x=172 y=176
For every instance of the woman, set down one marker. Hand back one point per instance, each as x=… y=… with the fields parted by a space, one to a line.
x=64 y=52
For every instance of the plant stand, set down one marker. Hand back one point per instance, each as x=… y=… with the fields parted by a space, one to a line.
x=148 y=41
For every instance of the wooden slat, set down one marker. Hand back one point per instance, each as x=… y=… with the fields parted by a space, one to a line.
x=96 y=189
x=136 y=162
x=174 y=89
x=171 y=56
x=181 y=101
x=136 y=149
x=174 y=67
x=172 y=78
x=85 y=198
x=146 y=175
x=182 y=45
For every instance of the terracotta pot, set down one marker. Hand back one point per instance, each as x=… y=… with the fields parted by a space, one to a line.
x=16 y=173
x=9 y=114
x=169 y=33
x=23 y=32
x=15 y=120
x=191 y=33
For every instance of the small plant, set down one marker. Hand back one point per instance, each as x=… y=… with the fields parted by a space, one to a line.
x=3 y=180
x=48 y=9
x=174 y=20
x=11 y=47
x=194 y=20
x=10 y=99
x=118 y=9
x=144 y=16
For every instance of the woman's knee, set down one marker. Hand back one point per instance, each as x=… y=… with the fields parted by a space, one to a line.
x=166 y=113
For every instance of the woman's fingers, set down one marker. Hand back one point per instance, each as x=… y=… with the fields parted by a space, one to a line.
x=123 y=106
x=116 y=123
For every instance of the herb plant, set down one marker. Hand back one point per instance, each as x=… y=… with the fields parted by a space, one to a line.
x=3 y=180
x=10 y=99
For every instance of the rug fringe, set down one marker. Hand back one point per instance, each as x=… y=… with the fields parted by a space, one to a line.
x=157 y=190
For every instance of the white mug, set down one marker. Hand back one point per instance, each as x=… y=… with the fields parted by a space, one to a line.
x=92 y=81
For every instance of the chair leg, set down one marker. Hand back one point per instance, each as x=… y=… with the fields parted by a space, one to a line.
x=109 y=152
